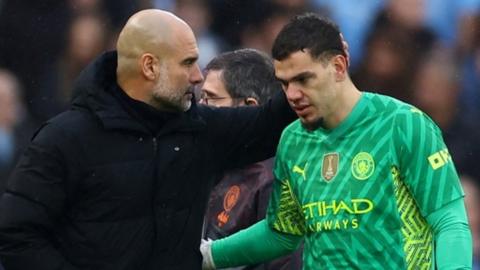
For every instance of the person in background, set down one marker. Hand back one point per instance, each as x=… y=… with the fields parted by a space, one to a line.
x=16 y=126
x=87 y=37
x=197 y=14
x=357 y=176
x=121 y=180
x=243 y=77
x=9 y=108
x=437 y=92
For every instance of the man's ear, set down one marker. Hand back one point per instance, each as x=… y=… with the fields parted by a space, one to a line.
x=250 y=101
x=340 y=64
x=149 y=65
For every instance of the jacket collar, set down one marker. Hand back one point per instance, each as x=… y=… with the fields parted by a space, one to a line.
x=92 y=91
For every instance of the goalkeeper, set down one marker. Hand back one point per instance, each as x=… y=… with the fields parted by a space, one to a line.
x=364 y=180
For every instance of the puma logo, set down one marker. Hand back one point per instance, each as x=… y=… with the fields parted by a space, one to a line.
x=297 y=169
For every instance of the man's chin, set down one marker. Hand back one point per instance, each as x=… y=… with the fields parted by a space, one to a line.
x=173 y=107
x=311 y=125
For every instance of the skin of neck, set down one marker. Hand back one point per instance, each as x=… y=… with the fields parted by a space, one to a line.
x=347 y=97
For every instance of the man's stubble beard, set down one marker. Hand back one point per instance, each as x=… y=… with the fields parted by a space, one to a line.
x=167 y=98
x=169 y=102
x=314 y=125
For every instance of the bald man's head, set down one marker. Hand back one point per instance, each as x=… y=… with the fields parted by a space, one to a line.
x=148 y=31
x=157 y=60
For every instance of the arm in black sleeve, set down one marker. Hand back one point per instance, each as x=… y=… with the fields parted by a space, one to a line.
x=245 y=135
x=33 y=201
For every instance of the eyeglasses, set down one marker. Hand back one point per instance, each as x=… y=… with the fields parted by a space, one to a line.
x=212 y=100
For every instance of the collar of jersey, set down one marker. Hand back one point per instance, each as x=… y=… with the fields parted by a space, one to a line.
x=349 y=121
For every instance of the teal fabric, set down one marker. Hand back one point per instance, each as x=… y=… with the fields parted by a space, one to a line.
x=453 y=239
x=256 y=244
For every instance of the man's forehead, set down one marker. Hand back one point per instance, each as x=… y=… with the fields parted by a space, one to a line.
x=296 y=63
x=185 y=44
x=214 y=74
x=213 y=81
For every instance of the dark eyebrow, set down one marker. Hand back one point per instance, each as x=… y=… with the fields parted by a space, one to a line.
x=208 y=92
x=303 y=76
x=282 y=81
x=298 y=77
x=190 y=60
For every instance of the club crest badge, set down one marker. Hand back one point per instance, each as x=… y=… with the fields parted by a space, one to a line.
x=229 y=201
x=330 y=166
x=363 y=166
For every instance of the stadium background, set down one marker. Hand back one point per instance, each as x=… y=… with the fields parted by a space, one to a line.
x=426 y=52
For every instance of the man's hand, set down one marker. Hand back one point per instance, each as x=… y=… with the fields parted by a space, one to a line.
x=206 y=250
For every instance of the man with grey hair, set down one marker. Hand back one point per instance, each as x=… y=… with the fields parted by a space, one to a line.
x=243 y=77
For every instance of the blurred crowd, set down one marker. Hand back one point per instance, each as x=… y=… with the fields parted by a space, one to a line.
x=425 y=52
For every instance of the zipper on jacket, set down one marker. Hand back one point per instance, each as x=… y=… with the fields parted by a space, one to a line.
x=155 y=145
x=154 y=188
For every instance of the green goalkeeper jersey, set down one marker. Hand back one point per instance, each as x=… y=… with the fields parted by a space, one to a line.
x=360 y=192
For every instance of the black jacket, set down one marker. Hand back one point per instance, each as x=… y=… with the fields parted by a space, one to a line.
x=96 y=189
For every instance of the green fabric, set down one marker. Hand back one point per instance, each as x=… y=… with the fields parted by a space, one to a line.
x=360 y=192
x=256 y=244
x=453 y=239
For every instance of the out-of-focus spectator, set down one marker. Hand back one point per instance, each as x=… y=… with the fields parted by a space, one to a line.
x=260 y=35
x=87 y=37
x=120 y=10
x=8 y=114
x=197 y=14
x=164 y=4
x=355 y=19
x=85 y=6
x=470 y=95
x=31 y=35
x=436 y=92
x=115 y=12
x=295 y=5
x=409 y=16
x=15 y=127
x=389 y=63
x=393 y=50
x=230 y=18
x=410 y=13
x=453 y=21
x=472 y=203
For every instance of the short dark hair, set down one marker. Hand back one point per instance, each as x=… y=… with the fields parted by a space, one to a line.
x=246 y=73
x=310 y=32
